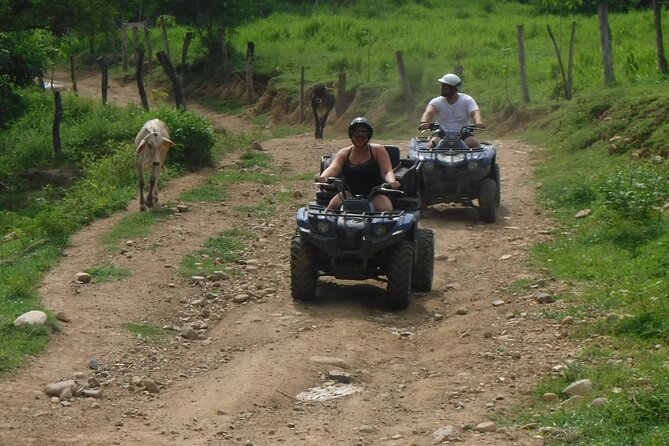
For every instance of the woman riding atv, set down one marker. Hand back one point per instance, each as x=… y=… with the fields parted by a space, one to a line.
x=363 y=166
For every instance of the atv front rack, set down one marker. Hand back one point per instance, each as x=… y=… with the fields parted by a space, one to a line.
x=318 y=210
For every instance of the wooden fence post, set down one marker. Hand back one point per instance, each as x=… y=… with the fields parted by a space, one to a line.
x=139 y=75
x=149 y=48
x=607 y=50
x=409 y=100
x=559 y=59
x=301 y=94
x=73 y=76
x=166 y=42
x=250 y=48
x=184 y=50
x=659 y=41
x=569 y=88
x=105 y=76
x=57 y=119
x=521 y=61
x=165 y=61
x=124 y=45
x=340 y=105
x=224 y=49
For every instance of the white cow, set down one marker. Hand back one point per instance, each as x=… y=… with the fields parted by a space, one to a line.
x=151 y=143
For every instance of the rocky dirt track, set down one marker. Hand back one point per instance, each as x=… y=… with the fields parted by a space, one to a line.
x=464 y=354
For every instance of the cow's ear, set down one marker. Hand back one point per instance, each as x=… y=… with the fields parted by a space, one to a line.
x=141 y=146
x=167 y=143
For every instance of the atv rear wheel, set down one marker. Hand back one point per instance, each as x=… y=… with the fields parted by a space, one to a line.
x=303 y=272
x=488 y=200
x=400 y=262
x=423 y=266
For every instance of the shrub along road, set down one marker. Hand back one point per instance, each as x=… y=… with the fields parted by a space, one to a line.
x=462 y=355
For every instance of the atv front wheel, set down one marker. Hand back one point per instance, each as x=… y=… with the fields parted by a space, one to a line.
x=488 y=199
x=400 y=261
x=303 y=272
x=423 y=267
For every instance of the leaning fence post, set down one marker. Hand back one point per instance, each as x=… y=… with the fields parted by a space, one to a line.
x=406 y=86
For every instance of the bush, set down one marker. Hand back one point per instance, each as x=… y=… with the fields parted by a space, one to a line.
x=193 y=137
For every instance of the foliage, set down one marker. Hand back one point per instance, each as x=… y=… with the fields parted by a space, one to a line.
x=193 y=136
x=37 y=225
x=588 y=6
x=616 y=258
x=21 y=60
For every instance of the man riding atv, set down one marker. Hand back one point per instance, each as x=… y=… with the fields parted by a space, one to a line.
x=453 y=110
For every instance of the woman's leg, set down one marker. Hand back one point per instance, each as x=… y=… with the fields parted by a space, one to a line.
x=337 y=200
x=382 y=203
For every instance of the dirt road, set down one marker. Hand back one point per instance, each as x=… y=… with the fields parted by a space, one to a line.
x=461 y=355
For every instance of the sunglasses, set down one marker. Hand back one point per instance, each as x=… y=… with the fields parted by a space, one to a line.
x=360 y=135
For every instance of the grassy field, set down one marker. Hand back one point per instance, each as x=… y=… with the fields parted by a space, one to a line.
x=479 y=36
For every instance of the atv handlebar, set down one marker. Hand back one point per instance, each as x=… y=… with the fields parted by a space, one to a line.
x=336 y=183
x=434 y=126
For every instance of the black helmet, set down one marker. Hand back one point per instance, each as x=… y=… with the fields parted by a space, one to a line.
x=360 y=122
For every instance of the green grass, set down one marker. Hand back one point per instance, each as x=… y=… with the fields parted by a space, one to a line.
x=625 y=372
x=134 y=226
x=362 y=41
x=207 y=194
x=616 y=261
x=217 y=253
x=152 y=333
x=107 y=273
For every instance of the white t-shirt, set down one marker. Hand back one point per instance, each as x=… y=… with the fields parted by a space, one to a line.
x=453 y=117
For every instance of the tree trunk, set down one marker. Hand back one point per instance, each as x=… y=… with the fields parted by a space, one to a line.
x=139 y=75
x=607 y=50
x=521 y=61
x=176 y=82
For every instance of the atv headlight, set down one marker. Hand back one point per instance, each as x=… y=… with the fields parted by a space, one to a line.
x=323 y=227
x=473 y=165
x=380 y=230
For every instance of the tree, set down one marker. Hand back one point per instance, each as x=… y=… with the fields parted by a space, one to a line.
x=58 y=17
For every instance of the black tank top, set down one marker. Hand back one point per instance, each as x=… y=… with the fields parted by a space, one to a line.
x=361 y=178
